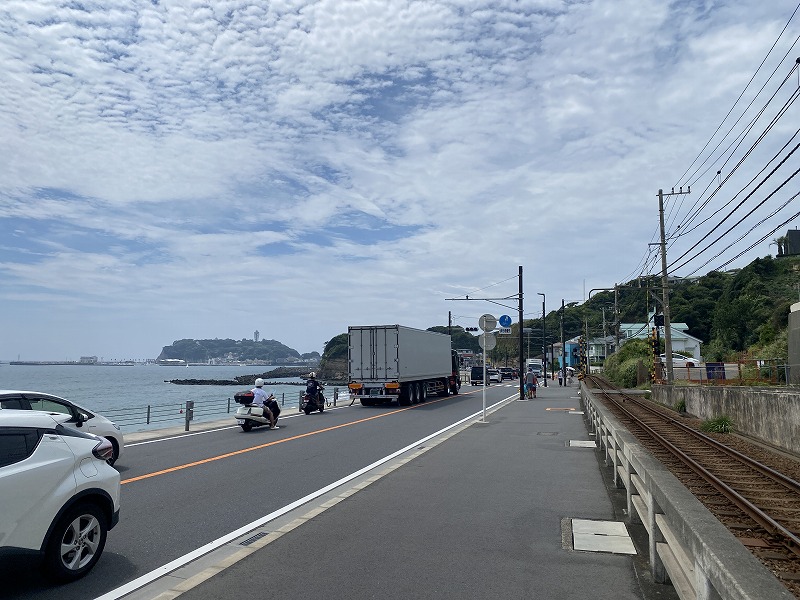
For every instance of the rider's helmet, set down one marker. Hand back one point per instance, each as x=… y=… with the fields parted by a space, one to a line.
x=259 y=382
x=312 y=375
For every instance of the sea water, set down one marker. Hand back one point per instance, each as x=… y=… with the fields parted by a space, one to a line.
x=132 y=389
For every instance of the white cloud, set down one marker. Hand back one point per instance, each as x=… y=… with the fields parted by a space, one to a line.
x=203 y=169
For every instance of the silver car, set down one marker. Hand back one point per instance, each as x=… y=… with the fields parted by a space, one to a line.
x=81 y=418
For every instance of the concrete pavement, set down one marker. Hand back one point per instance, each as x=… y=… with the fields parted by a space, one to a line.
x=495 y=510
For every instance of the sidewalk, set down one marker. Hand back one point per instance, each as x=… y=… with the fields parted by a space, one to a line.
x=490 y=512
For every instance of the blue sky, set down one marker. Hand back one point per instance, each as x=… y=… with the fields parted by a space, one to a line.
x=198 y=169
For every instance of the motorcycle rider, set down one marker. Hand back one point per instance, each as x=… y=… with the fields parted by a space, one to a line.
x=313 y=387
x=261 y=398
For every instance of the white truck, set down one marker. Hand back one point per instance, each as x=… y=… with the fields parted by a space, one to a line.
x=535 y=365
x=389 y=363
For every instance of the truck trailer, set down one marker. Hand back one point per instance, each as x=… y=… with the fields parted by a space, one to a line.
x=393 y=363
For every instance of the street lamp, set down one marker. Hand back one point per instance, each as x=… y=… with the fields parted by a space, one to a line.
x=544 y=343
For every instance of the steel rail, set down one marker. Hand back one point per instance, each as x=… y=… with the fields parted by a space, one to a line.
x=791 y=484
x=788 y=538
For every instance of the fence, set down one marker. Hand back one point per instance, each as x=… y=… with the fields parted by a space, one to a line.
x=192 y=410
x=742 y=372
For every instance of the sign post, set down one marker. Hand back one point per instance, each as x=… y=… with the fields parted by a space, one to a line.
x=487 y=341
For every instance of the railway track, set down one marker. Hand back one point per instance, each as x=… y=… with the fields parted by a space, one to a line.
x=757 y=503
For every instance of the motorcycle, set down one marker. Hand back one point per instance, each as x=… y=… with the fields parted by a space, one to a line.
x=251 y=415
x=308 y=404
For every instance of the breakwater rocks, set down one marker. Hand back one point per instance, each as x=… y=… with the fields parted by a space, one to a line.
x=280 y=372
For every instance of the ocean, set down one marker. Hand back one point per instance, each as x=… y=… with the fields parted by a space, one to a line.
x=124 y=393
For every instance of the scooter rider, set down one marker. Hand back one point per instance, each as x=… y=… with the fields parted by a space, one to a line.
x=313 y=387
x=261 y=398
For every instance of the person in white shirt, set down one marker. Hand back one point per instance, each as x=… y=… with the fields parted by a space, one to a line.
x=261 y=398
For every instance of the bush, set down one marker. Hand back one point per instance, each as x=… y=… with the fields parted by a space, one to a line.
x=721 y=424
x=621 y=367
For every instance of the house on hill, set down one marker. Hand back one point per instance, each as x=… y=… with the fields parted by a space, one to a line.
x=682 y=342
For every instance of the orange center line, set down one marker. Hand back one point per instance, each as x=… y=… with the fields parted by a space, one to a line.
x=268 y=444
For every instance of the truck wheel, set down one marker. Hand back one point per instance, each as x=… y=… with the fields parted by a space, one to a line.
x=365 y=402
x=404 y=399
x=422 y=392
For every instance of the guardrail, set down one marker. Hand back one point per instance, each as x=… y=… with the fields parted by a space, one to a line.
x=191 y=410
x=687 y=545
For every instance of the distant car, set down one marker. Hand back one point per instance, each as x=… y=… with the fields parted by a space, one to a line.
x=507 y=372
x=59 y=496
x=679 y=360
x=476 y=376
x=494 y=375
x=94 y=422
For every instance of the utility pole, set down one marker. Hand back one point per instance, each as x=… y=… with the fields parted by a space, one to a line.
x=563 y=365
x=544 y=340
x=521 y=360
x=665 y=281
x=616 y=318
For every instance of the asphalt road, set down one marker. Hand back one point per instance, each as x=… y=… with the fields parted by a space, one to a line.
x=181 y=493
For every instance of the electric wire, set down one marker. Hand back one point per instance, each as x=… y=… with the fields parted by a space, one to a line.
x=753 y=245
x=694 y=211
x=741 y=95
x=786 y=181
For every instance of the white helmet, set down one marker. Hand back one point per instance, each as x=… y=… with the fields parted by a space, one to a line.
x=259 y=382
x=312 y=375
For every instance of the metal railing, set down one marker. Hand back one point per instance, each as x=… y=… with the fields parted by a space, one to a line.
x=184 y=412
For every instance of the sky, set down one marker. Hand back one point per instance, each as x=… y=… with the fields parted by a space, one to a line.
x=201 y=169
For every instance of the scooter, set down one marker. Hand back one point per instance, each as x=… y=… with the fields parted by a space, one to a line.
x=308 y=404
x=251 y=415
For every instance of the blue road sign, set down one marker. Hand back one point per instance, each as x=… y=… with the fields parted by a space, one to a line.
x=505 y=321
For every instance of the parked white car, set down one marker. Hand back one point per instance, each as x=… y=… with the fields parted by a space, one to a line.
x=680 y=360
x=80 y=418
x=59 y=495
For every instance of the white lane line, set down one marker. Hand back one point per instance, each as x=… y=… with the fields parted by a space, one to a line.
x=181 y=561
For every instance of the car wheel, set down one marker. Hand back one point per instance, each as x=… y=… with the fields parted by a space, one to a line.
x=76 y=543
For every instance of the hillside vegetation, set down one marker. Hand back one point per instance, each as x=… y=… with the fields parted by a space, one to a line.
x=267 y=351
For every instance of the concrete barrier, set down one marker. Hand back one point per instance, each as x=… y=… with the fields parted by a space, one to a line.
x=769 y=414
x=687 y=545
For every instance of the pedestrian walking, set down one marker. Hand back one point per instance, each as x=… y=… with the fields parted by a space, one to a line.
x=530 y=384
x=560 y=377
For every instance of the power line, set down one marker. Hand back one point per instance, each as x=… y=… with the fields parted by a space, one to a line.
x=792 y=176
x=680 y=179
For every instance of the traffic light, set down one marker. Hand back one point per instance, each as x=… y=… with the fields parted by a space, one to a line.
x=658 y=320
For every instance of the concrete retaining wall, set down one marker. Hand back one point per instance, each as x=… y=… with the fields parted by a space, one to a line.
x=687 y=544
x=771 y=415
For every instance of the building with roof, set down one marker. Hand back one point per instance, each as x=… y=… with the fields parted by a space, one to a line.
x=682 y=341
